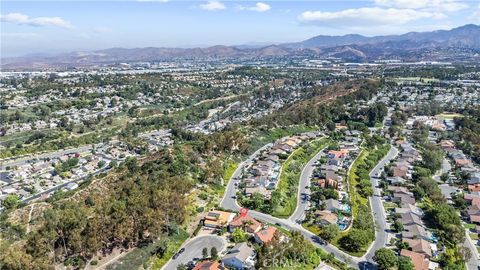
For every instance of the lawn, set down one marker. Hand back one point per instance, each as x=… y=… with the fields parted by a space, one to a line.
x=469 y=226
x=389 y=205
x=474 y=236
x=355 y=198
x=229 y=168
x=290 y=176
x=448 y=116
x=312 y=228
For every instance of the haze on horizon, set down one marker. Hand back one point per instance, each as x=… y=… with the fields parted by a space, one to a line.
x=61 y=26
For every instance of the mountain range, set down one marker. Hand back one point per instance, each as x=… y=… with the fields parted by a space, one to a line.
x=412 y=46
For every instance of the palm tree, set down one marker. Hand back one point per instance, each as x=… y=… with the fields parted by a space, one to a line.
x=246 y=224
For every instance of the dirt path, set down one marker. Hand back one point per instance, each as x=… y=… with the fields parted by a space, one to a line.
x=29 y=217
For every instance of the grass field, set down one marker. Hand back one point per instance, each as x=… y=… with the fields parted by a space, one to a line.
x=290 y=176
x=355 y=198
x=447 y=116
x=229 y=168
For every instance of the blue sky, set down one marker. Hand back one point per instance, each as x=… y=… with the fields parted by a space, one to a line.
x=62 y=26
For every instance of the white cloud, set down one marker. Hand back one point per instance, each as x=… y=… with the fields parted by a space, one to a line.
x=102 y=29
x=259 y=7
x=213 y=5
x=23 y=19
x=367 y=16
x=427 y=5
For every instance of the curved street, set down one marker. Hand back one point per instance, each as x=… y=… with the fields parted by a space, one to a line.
x=193 y=249
x=381 y=234
x=228 y=202
x=364 y=262
x=303 y=188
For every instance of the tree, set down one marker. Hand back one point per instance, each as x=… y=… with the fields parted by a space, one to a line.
x=444 y=177
x=11 y=201
x=355 y=240
x=101 y=163
x=214 y=253
x=112 y=164
x=329 y=232
x=432 y=158
x=182 y=267
x=385 y=258
x=239 y=235
x=398 y=226
x=404 y=263
x=205 y=253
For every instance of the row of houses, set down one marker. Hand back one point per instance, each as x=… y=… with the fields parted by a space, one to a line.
x=262 y=176
x=329 y=173
x=420 y=241
x=44 y=175
x=242 y=255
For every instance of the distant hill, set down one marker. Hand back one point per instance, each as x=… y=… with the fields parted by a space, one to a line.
x=353 y=47
x=464 y=36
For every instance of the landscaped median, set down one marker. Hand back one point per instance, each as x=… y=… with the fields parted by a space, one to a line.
x=285 y=196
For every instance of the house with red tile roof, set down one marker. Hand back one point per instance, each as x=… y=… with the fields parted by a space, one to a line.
x=250 y=224
x=474 y=187
x=265 y=235
x=208 y=265
x=419 y=261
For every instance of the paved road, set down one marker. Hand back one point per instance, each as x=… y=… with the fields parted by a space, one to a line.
x=227 y=201
x=381 y=230
x=473 y=263
x=302 y=206
x=56 y=154
x=78 y=181
x=446 y=167
x=193 y=249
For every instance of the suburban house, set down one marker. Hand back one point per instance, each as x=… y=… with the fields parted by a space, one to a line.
x=410 y=219
x=265 y=235
x=218 y=219
x=403 y=199
x=419 y=261
x=420 y=246
x=325 y=217
x=333 y=205
x=414 y=231
x=250 y=224
x=241 y=256
x=208 y=265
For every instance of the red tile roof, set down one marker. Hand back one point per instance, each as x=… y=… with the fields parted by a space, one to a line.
x=266 y=235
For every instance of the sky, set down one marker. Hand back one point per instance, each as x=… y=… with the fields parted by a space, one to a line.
x=52 y=27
